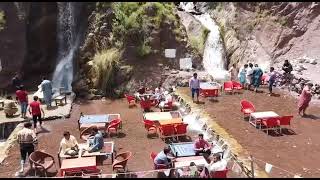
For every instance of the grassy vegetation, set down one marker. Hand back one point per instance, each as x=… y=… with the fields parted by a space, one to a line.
x=2 y=20
x=198 y=43
x=134 y=21
x=104 y=64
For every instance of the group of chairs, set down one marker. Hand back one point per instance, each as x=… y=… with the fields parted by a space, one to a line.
x=232 y=86
x=146 y=105
x=166 y=131
x=112 y=128
x=272 y=123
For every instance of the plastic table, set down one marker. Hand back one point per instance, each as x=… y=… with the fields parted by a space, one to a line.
x=257 y=116
x=78 y=164
x=182 y=149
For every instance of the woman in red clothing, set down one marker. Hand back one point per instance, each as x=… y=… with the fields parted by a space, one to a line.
x=35 y=110
x=305 y=98
x=22 y=97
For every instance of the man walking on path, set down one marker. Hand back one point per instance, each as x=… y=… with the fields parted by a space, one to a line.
x=194 y=85
x=35 y=110
x=47 y=91
x=27 y=140
x=22 y=97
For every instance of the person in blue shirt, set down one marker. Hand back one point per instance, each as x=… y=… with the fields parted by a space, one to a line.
x=257 y=74
x=164 y=158
x=95 y=140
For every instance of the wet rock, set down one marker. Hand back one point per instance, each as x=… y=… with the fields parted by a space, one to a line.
x=313 y=61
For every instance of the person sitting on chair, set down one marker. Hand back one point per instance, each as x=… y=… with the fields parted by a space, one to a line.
x=95 y=140
x=69 y=144
x=10 y=107
x=202 y=146
x=168 y=98
x=164 y=158
x=216 y=164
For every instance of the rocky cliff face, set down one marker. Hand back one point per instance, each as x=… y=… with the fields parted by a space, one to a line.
x=29 y=41
x=133 y=70
x=268 y=33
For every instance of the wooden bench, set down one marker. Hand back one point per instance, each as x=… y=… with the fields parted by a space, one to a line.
x=59 y=99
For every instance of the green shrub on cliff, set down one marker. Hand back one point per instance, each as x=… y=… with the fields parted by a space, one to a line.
x=104 y=64
x=2 y=20
x=134 y=22
x=198 y=43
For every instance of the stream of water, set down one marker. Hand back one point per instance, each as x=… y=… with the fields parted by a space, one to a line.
x=68 y=43
x=213 y=56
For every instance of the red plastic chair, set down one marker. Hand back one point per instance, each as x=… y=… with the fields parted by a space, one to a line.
x=168 y=106
x=228 y=87
x=131 y=100
x=181 y=130
x=146 y=105
x=150 y=127
x=153 y=155
x=113 y=128
x=167 y=131
x=116 y=121
x=271 y=124
x=236 y=85
x=264 y=79
x=219 y=174
x=247 y=107
x=285 y=121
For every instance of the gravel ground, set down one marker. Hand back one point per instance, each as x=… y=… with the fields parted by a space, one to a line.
x=297 y=151
x=132 y=137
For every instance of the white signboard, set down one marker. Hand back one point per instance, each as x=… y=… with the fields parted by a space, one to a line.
x=170 y=53
x=185 y=63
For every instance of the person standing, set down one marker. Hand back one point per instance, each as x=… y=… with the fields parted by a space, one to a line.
x=194 y=85
x=257 y=74
x=47 y=91
x=304 y=99
x=35 y=110
x=233 y=73
x=27 y=140
x=287 y=68
x=16 y=81
x=272 y=79
x=22 y=97
x=249 y=76
x=242 y=75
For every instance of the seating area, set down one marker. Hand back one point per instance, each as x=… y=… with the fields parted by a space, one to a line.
x=264 y=120
x=231 y=87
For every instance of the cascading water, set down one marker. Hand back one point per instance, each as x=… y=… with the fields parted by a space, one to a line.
x=213 y=56
x=68 y=42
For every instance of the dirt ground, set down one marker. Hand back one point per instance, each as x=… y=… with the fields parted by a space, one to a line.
x=132 y=137
x=296 y=151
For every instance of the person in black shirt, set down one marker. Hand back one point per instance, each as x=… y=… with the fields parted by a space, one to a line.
x=16 y=81
x=287 y=67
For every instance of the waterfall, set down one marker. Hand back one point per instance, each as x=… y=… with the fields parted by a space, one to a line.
x=68 y=42
x=213 y=55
